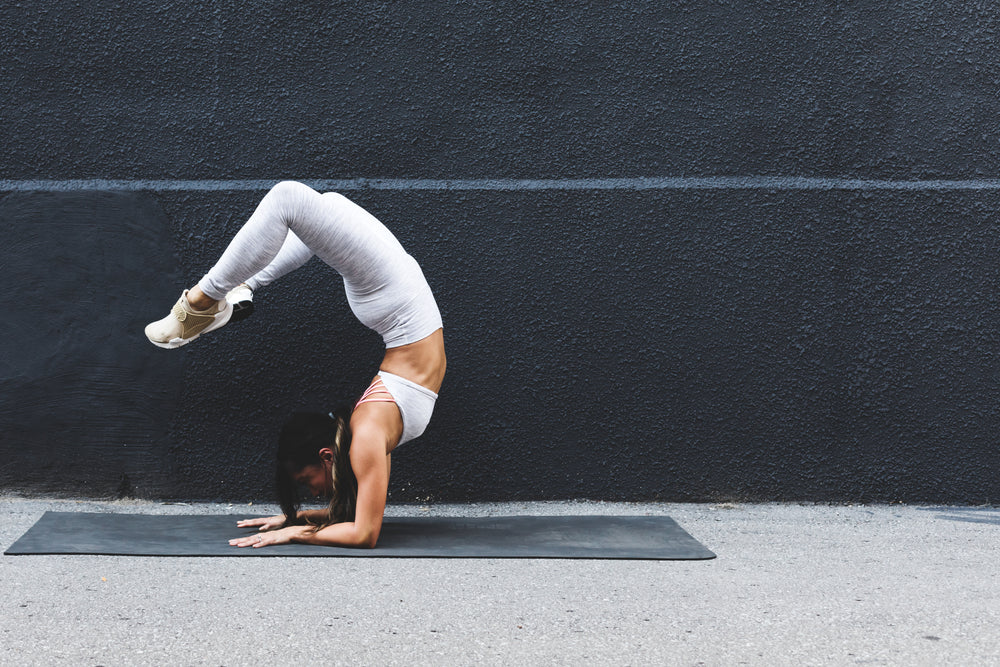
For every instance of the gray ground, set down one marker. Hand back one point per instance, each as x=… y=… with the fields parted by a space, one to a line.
x=792 y=585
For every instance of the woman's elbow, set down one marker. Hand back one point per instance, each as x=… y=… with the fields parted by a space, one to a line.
x=367 y=539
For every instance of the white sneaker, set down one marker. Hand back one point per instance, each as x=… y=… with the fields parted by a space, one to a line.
x=241 y=297
x=184 y=323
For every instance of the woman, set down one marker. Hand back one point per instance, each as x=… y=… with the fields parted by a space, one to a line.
x=344 y=455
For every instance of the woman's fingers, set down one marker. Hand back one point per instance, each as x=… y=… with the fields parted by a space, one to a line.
x=265 y=522
x=246 y=523
x=257 y=540
x=262 y=539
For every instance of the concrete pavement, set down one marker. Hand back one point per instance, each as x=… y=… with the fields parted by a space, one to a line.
x=792 y=585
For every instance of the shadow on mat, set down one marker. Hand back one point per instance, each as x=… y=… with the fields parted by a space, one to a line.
x=987 y=515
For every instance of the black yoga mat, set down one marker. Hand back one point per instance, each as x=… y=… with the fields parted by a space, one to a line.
x=623 y=537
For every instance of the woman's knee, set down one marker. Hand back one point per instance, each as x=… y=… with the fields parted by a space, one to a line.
x=289 y=190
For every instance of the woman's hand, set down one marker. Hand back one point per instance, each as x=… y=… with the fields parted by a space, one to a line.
x=283 y=536
x=265 y=523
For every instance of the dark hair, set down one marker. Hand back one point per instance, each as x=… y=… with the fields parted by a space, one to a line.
x=302 y=436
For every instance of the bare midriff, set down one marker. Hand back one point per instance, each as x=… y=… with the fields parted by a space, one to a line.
x=422 y=362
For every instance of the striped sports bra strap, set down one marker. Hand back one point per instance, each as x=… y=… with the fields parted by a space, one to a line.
x=376 y=393
x=376 y=387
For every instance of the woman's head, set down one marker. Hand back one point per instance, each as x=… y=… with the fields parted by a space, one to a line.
x=314 y=451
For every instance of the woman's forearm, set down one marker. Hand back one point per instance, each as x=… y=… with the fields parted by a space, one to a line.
x=347 y=534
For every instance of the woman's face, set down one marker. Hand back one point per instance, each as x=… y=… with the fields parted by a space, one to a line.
x=317 y=478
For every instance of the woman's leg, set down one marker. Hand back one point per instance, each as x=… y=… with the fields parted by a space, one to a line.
x=261 y=251
x=292 y=255
x=339 y=232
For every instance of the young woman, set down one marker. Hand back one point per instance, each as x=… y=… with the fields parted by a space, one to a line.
x=344 y=455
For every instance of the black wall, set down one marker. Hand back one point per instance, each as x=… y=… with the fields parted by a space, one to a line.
x=821 y=328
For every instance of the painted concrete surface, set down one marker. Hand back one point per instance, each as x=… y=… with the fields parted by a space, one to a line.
x=689 y=345
x=463 y=89
x=792 y=585
x=684 y=251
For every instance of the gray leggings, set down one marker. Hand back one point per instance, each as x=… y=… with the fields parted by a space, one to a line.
x=385 y=287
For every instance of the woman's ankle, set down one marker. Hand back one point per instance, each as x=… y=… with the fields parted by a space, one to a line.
x=199 y=300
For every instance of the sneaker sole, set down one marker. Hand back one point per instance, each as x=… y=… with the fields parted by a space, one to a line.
x=241 y=311
x=220 y=321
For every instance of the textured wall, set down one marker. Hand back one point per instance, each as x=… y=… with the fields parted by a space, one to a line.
x=830 y=341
